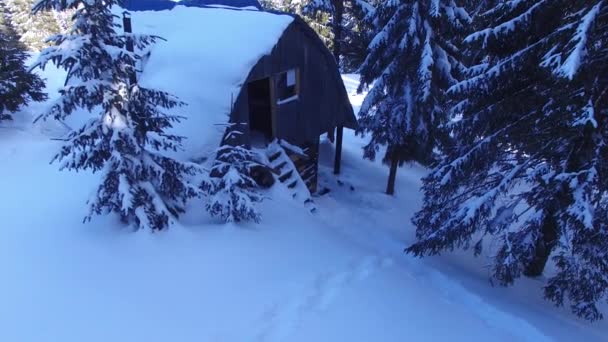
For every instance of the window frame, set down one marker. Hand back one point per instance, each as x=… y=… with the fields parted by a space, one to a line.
x=284 y=75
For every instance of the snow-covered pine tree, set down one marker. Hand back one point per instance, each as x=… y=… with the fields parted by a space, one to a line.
x=126 y=140
x=64 y=20
x=527 y=174
x=357 y=33
x=349 y=39
x=347 y=19
x=18 y=85
x=580 y=60
x=32 y=29
x=411 y=63
x=233 y=193
x=335 y=9
x=318 y=21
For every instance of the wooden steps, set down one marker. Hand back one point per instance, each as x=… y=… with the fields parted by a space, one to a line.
x=289 y=166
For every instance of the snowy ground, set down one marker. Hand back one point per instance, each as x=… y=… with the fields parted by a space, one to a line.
x=338 y=275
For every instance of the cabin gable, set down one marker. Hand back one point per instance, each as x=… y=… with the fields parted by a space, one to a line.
x=320 y=103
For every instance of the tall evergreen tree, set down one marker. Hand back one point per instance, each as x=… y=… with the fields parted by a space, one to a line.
x=357 y=33
x=17 y=84
x=126 y=140
x=343 y=25
x=335 y=9
x=347 y=19
x=318 y=21
x=32 y=29
x=411 y=63
x=527 y=175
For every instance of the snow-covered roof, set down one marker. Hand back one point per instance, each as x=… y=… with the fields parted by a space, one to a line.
x=160 y=5
x=229 y=3
x=148 y=5
x=206 y=57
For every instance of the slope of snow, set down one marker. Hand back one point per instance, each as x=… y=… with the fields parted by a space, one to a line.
x=338 y=275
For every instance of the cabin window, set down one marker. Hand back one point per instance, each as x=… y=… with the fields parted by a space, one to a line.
x=288 y=86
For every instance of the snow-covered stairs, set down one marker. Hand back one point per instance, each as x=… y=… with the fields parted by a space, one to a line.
x=287 y=174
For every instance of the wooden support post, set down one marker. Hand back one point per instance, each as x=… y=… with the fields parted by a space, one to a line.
x=273 y=108
x=338 y=160
x=126 y=24
x=331 y=135
x=315 y=180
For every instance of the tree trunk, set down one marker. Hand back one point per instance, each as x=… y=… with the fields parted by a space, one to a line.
x=390 y=188
x=544 y=246
x=337 y=29
x=126 y=22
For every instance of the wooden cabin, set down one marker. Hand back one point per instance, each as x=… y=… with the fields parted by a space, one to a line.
x=284 y=84
x=295 y=94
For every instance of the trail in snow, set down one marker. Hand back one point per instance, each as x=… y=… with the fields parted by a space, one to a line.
x=453 y=292
x=394 y=232
x=317 y=296
x=379 y=240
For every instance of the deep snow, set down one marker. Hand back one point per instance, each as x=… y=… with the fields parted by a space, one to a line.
x=337 y=275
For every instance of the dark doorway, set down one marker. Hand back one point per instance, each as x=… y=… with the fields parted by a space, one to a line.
x=260 y=108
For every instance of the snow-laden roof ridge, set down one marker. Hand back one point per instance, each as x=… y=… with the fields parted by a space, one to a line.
x=206 y=58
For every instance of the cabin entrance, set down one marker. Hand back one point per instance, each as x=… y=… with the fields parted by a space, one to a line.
x=260 y=110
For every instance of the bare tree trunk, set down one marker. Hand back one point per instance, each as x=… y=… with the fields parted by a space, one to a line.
x=337 y=29
x=544 y=246
x=126 y=22
x=392 y=176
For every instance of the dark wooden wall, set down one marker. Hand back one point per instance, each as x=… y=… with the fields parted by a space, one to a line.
x=323 y=102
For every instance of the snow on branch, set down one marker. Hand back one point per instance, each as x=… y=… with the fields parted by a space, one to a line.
x=505 y=27
x=572 y=63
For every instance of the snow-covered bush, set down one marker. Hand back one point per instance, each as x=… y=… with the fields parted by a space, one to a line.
x=125 y=141
x=233 y=193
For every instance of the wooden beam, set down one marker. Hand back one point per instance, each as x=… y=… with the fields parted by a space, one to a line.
x=273 y=106
x=298 y=83
x=338 y=157
x=315 y=180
